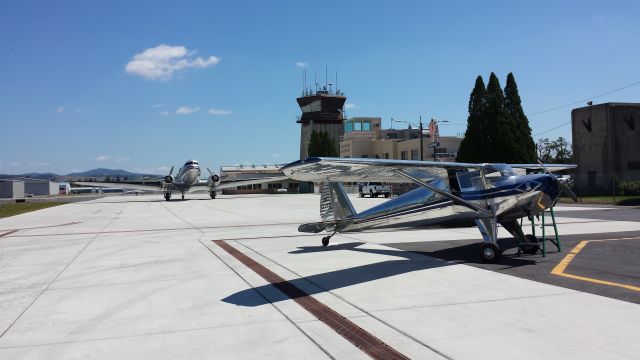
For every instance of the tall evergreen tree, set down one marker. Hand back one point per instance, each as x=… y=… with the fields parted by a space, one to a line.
x=501 y=145
x=513 y=105
x=471 y=148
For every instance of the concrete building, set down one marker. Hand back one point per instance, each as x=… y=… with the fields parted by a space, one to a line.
x=11 y=189
x=321 y=111
x=364 y=138
x=606 y=146
x=41 y=187
x=250 y=172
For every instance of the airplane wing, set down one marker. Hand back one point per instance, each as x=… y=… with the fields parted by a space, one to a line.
x=548 y=167
x=319 y=169
x=149 y=187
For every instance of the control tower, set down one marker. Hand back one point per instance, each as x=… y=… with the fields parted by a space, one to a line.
x=321 y=111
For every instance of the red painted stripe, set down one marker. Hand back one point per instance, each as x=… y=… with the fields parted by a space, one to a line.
x=359 y=337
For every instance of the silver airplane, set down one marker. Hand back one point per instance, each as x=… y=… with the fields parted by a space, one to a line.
x=187 y=177
x=449 y=193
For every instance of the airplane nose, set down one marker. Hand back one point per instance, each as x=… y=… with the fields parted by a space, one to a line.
x=550 y=186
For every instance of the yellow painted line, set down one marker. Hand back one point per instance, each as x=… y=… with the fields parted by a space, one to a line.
x=562 y=266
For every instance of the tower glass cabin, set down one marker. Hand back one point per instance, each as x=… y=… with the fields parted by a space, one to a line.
x=322 y=110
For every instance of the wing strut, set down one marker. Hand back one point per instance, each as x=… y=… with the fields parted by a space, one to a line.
x=455 y=199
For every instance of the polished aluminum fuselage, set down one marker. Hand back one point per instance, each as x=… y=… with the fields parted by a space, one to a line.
x=508 y=198
x=188 y=175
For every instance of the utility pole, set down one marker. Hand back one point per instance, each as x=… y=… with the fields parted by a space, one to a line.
x=421 y=146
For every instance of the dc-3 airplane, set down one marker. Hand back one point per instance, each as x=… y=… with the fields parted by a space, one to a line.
x=449 y=192
x=188 y=177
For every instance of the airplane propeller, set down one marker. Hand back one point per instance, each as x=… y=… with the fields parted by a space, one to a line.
x=564 y=187
x=163 y=181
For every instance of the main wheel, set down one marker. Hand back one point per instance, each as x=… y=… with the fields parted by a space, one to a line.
x=325 y=240
x=386 y=195
x=491 y=253
x=532 y=245
x=182 y=196
x=212 y=194
x=361 y=195
x=167 y=197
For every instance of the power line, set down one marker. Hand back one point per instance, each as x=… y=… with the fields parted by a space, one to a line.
x=583 y=100
x=559 y=126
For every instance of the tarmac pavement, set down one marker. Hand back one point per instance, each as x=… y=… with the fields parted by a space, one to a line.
x=141 y=278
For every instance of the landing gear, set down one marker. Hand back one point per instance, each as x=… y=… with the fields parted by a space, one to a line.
x=491 y=253
x=167 y=195
x=182 y=196
x=531 y=245
x=325 y=240
x=212 y=194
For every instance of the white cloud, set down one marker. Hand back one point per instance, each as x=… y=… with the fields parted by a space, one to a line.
x=76 y=170
x=122 y=159
x=81 y=110
x=155 y=106
x=38 y=164
x=219 y=112
x=350 y=106
x=165 y=113
x=276 y=155
x=160 y=62
x=302 y=64
x=184 y=110
x=60 y=109
x=102 y=158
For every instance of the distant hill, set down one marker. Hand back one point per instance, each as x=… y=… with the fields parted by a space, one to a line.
x=100 y=173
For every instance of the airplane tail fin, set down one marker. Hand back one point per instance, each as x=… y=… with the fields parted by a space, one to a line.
x=334 y=202
x=335 y=209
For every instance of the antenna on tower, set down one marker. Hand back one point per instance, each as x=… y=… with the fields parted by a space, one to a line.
x=326 y=78
x=337 y=88
x=304 y=91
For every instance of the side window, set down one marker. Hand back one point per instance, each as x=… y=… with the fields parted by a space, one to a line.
x=470 y=181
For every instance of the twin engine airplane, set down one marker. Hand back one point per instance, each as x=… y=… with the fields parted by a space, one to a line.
x=449 y=193
x=188 y=176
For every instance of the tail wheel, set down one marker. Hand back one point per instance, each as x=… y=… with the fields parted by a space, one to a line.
x=531 y=246
x=491 y=253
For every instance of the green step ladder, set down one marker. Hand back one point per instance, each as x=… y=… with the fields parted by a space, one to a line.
x=555 y=240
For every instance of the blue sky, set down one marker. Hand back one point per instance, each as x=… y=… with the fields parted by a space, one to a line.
x=222 y=90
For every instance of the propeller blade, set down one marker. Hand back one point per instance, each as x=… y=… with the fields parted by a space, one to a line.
x=567 y=190
x=564 y=188
x=171 y=171
x=210 y=172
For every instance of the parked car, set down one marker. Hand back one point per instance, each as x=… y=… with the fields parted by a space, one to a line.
x=374 y=189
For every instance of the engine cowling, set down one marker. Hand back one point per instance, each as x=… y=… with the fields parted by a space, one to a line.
x=168 y=179
x=214 y=179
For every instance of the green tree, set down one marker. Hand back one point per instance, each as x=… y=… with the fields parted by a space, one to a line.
x=471 y=148
x=501 y=142
x=321 y=144
x=513 y=105
x=554 y=151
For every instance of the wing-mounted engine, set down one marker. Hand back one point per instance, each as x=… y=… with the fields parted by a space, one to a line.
x=168 y=179
x=213 y=180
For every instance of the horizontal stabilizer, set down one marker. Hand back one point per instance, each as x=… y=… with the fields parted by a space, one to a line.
x=323 y=226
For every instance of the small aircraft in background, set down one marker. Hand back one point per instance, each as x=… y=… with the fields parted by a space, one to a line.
x=188 y=177
x=449 y=192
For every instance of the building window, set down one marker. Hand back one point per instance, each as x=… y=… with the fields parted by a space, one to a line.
x=403 y=155
x=414 y=154
x=386 y=155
